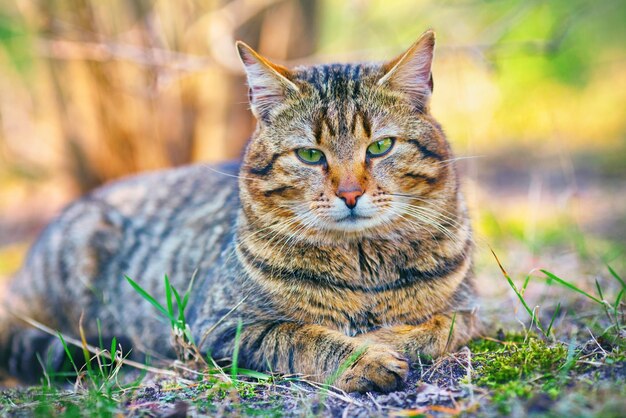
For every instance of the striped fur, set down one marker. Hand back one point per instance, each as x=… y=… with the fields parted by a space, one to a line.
x=312 y=289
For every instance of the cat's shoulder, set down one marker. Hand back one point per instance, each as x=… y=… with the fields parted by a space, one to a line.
x=173 y=181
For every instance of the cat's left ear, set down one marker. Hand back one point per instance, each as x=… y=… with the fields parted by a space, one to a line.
x=269 y=83
x=410 y=72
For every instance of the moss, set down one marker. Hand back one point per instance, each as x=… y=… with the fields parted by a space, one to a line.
x=519 y=367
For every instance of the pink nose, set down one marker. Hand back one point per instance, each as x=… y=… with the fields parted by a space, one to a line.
x=350 y=196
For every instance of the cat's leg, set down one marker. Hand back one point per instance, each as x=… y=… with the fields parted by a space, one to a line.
x=27 y=353
x=440 y=334
x=318 y=352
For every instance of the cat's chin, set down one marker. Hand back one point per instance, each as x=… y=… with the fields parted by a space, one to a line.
x=354 y=227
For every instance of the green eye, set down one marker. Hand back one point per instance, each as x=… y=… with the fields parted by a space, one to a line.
x=380 y=148
x=310 y=155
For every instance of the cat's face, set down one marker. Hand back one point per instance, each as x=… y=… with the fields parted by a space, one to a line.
x=345 y=150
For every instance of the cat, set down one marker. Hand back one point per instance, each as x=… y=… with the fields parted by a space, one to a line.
x=341 y=238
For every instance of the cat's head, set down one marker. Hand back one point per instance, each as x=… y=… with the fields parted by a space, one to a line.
x=345 y=150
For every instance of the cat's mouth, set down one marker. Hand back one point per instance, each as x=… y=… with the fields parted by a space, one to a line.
x=354 y=222
x=352 y=218
x=338 y=217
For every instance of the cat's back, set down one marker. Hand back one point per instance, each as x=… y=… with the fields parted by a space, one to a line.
x=170 y=222
x=166 y=199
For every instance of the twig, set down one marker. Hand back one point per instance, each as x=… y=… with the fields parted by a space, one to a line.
x=376 y=404
x=596 y=341
x=335 y=392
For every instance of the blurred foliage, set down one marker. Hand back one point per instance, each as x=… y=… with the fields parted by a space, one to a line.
x=508 y=71
x=92 y=90
x=15 y=41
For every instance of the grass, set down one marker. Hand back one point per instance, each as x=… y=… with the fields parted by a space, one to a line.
x=564 y=355
x=544 y=367
x=98 y=390
x=178 y=323
x=530 y=368
x=525 y=368
x=102 y=389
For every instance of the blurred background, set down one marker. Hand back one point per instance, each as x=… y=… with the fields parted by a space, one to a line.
x=532 y=95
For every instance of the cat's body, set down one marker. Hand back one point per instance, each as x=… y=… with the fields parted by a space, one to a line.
x=146 y=226
x=324 y=243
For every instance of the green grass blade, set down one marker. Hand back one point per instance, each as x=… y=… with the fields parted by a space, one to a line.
x=254 y=374
x=233 y=369
x=113 y=351
x=181 y=302
x=451 y=331
x=99 y=326
x=147 y=297
x=617 y=277
x=347 y=363
x=189 y=288
x=570 y=286
x=556 y=312
x=530 y=312
x=620 y=295
x=181 y=312
x=63 y=374
x=599 y=290
x=525 y=285
x=90 y=372
x=67 y=352
x=618 y=299
x=168 y=299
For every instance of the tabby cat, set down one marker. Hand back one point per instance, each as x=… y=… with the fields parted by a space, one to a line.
x=342 y=235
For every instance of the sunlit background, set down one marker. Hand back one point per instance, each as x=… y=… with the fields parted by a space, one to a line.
x=532 y=95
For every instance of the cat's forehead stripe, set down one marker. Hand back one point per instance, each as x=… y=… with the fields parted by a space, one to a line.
x=321 y=124
x=360 y=116
x=335 y=81
x=339 y=87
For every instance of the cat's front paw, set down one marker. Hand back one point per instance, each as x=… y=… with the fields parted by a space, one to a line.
x=378 y=369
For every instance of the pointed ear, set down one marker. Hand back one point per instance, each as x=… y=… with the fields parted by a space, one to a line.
x=410 y=72
x=269 y=83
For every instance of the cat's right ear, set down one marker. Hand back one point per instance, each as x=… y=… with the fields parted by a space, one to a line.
x=410 y=73
x=269 y=83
